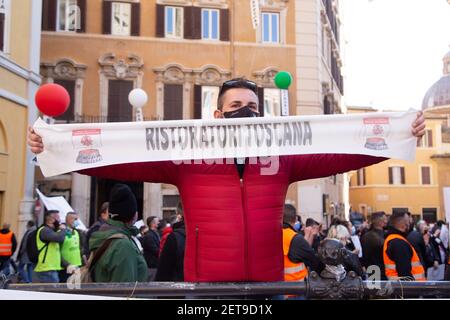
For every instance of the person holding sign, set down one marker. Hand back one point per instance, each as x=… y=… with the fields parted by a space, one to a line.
x=233 y=210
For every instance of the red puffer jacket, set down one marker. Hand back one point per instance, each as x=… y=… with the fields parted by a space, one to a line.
x=233 y=225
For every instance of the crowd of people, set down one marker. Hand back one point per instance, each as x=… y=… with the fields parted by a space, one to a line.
x=115 y=251
x=112 y=248
x=391 y=247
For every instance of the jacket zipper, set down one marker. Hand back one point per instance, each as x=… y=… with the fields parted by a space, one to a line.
x=196 y=252
x=244 y=207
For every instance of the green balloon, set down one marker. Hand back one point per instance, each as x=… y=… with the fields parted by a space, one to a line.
x=283 y=80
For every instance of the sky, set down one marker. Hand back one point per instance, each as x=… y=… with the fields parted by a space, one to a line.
x=393 y=50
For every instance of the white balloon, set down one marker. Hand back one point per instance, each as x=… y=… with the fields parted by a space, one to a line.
x=137 y=98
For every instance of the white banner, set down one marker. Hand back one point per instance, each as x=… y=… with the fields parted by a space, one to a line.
x=59 y=203
x=72 y=147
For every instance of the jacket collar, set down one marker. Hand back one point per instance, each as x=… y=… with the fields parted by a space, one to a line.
x=392 y=230
x=120 y=226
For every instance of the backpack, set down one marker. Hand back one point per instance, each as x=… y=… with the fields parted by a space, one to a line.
x=32 y=247
x=85 y=272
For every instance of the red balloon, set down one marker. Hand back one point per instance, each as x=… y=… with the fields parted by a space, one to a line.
x=52 y=99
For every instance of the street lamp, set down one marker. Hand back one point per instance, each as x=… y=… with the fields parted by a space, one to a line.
x=138 y=98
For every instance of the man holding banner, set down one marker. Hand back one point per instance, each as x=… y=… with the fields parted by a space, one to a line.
x=233 y=202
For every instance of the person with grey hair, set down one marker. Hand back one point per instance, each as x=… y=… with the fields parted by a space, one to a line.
x=340 y=233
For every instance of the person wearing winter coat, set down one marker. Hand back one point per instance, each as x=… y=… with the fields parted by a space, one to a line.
x=122 y=260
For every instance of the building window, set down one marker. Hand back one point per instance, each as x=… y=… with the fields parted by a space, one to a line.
x=210 y=24
x=427 y=140
x=425 y=174
x=121 y=19
x=429 y=215
x=4 y=9
x=119 y=108
x=174 y=22
x=396 y=175
x=69 y=115
x=361 y=177
x=270 y=27
x=399 y=210
x=170 y=204
x=173 y=101
x=68 y=15
x=2 y=30
x=209 y=101
x=272 y=102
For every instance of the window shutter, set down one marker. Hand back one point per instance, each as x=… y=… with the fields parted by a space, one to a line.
x=107 y=7
x=188 y=27
x=224 y=25
x=119 y=108
x=49 y=15
x=391 y=180
x=2 y=30
x=261 y=101
x=402 y=170
x=196 y=23
x=197 y=102
x=82 y=5
x=430 y=138
x=426 y=175
x=160 y=18
x=135 y=19
x=173 y=102
x=69 y=85
x=364 y=176
x=358 y=177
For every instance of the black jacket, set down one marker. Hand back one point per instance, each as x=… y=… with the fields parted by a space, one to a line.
x=94 y=228
x=416 y=239
x=301 y=251
x=401 y=253
x=150 y=243
x=372 y=243
x=171 y=260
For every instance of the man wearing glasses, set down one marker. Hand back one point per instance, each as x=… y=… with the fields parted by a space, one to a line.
x=233 y=213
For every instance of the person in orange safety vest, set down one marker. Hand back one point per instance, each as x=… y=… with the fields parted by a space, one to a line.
x=297 y=251
x=401 y=261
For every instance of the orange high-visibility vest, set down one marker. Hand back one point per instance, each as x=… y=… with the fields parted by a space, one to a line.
x=292 y=271
x=6 y=244
x=417 y=269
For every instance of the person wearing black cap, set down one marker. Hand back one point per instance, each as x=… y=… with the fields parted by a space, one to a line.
x=116 y=255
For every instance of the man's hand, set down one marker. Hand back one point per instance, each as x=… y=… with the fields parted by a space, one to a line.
x=418 y=126
x=71 y=269
x=34 y=141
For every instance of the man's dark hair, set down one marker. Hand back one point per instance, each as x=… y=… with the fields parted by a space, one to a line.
x=311 y=222
x=104 y=207
x=440 y=223
x=396 y=216
x=70 y=212
x=241 y=82
x=376 y=216
x=290 y=214
x=31 y=224
x=150 y=220
x=172 y=219
x=50 y=212
x=336 y=221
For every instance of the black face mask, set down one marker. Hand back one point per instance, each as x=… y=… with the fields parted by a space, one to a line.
x=244 y=112
x=56 y=224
